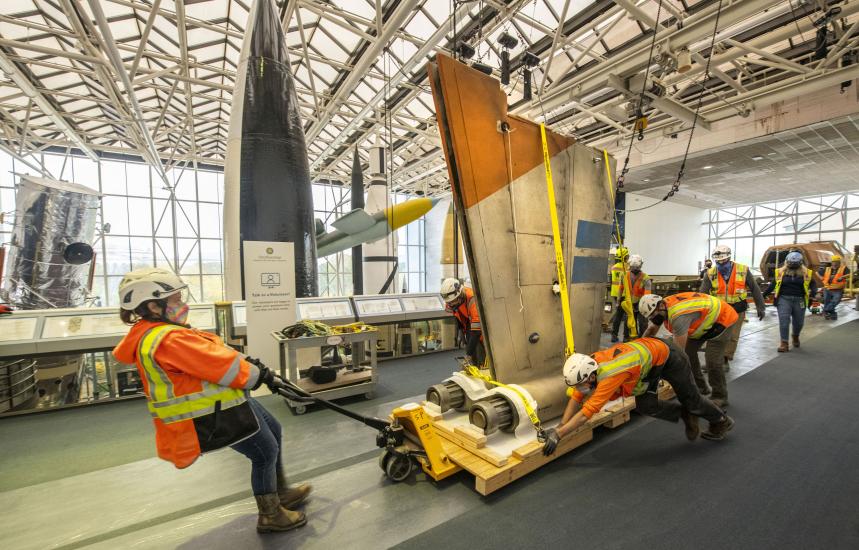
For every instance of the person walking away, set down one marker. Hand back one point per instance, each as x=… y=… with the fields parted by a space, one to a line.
x=731 y=281
x=694 y=319
x=621 y=255
x=635 y=369
x=792 y=286
x=462 y=303
x=834 y=278
x=640 y=285
x=197 y=390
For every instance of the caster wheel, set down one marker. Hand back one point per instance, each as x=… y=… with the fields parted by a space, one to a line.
x=398 y=467
x=300 y=409
x=383 y=458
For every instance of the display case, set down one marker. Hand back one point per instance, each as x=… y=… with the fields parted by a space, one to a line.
x=379 y=309
x=53 y=331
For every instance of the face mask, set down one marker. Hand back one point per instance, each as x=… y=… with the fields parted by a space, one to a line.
x=177 y=314
x=585 y=388
x=658 y=319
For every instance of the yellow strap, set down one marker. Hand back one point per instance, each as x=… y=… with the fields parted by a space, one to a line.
x=559 y=251
x=474 y=372
x=627 y=299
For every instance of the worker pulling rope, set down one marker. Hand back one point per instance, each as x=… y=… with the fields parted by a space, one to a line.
x=627 y=297
x=559 y=251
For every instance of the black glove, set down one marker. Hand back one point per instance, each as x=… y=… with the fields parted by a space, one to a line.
x=761 y=314
x=552 y=439
x=266 y=376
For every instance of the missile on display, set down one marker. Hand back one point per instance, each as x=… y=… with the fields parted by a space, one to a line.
x=266 y=178
x=357 y=203
x=359 y=227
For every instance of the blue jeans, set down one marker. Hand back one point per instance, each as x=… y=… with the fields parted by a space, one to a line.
x=831 y=299
x=264 y=450
x=790 y=308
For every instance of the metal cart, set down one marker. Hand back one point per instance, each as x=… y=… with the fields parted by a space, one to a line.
x=349 y=382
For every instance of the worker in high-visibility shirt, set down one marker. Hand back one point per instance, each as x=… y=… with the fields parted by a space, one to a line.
x=461 y=302
x=198 y=392
x=635 y=369
x=640 y=284
x=732 y=281
x=793 y=285
x=694 y=318
x=621 y=255
x=834 y=279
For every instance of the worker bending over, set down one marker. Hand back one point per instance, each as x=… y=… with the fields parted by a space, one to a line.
x=634 y=369
x=834 y=278
x=731 y=281
x=617 y=270
x=694 y=318
x=639 y=283
x=461 y=302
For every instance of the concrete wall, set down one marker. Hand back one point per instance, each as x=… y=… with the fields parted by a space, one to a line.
x=670 y=237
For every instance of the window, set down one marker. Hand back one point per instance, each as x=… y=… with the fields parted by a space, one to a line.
x=141 y=224
x=827 y=217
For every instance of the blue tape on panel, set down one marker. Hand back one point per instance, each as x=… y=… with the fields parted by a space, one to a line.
x=593 y=235
x=588 y=269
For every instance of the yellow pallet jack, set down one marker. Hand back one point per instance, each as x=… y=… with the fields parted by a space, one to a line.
x=408 y=439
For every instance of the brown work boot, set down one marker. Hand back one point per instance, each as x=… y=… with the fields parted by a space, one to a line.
x=274 y=517
x=691 y=423
x=796 y=340
x=782 y=348
x=292 y=497
x=718 y=430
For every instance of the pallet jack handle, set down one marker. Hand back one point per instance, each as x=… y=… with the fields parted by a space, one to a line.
x=291 y=391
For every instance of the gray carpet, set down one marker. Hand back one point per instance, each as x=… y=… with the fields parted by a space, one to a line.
x=787 y=477
x=52 y=445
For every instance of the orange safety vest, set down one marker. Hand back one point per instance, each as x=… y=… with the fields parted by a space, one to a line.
x=735 y=290
x=632 y=362
x=710 y=312
x=466 y=313
x=638 y=286
x=834 y=283
x=191 y=380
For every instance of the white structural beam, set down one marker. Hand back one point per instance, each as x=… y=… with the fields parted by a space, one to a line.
x=367 y=60
x=28 y=89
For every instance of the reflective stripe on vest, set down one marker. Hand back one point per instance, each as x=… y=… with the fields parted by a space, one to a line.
x=638 y=287
x=711 y=305
x=639 y=355
x=163 y=403
x=779 y=273
x=735 y=289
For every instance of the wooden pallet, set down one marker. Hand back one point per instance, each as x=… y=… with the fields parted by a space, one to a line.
x=467 y=448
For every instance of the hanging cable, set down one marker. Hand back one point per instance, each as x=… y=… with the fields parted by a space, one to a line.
x=638 y=108
x=676 y=186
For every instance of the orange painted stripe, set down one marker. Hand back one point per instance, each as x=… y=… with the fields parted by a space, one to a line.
x=473 y=105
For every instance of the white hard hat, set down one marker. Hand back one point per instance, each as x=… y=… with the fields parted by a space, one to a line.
x=450 y=289
x=148 y=283
x=636 y=261
x=647 y=304
x=578 y=367
x=722 y=253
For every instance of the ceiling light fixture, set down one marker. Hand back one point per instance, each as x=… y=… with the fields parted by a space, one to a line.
x=708 y=167
x=757 y=157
